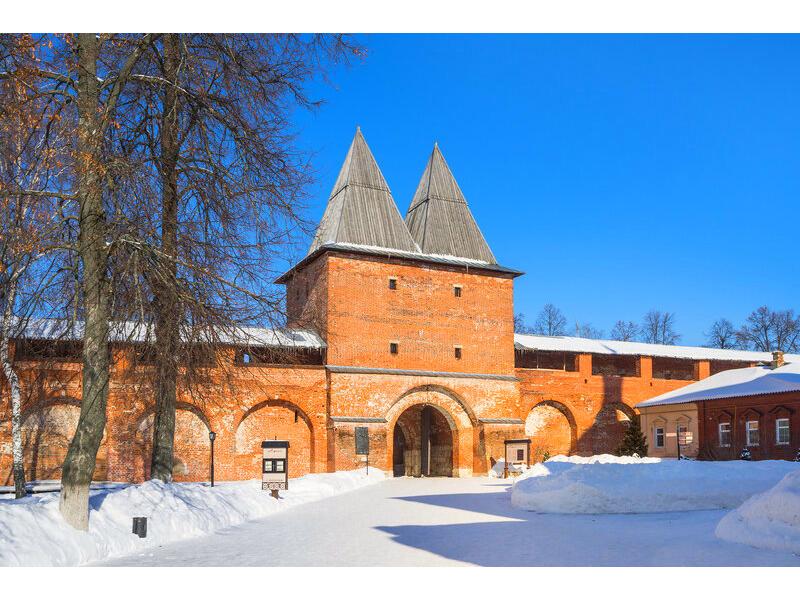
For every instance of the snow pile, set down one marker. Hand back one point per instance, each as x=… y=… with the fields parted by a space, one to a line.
x=769 y=520
x=603 y=458
x=498 y=469
x=33 y=533
x=610 y=484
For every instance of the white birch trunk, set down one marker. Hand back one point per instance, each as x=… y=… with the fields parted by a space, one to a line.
x=13 y=386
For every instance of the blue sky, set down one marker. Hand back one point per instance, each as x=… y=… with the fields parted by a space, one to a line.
x=621 y=173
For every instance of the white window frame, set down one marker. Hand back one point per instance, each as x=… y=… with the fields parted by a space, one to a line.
x=748 y=430
x=729 y=432
x=663 y=436
x=777 y=432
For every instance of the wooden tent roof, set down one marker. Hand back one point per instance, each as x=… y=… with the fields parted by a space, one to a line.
x=361 y=209
x=440 y=220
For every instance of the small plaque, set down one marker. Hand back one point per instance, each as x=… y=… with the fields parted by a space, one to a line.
x=362 y=440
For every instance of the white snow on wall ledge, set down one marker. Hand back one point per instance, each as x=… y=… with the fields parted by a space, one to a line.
x=563 y=343
x=610 y=484
x=32 y=532
x=769 y=520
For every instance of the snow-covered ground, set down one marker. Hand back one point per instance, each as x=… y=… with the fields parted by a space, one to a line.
x=450 y=521
x=609 y=484
x=768 y=520
x=673 y=511
x=32 y=531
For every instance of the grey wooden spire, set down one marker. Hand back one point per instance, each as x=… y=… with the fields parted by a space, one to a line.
x=440 y=220
x=361 y=209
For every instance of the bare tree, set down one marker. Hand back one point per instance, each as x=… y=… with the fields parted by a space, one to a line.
x=29 y=222
x=723 y=335
x=520 y=326
x=586 y=330
x=625 y=331
x=229 y=184
x=659 y=328
x=767 y=330
x=550 y=321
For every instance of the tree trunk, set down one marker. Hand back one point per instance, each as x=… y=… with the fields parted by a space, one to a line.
x=167 y=317
x=79 y=464
x=13 y=386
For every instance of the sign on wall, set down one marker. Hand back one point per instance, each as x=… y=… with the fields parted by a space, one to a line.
x=362 y=440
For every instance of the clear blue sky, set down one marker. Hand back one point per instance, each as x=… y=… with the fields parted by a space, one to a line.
x=621 y=173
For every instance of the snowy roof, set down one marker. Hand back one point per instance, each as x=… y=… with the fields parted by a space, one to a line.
x=750 y=381
x=440 y=220
x=443 y=259
x=129 y=331
x=589 y=346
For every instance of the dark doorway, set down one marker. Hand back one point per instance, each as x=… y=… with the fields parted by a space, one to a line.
x=398 y=453
x=423 y=443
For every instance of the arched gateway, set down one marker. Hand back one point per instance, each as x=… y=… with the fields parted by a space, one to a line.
x=431 y=434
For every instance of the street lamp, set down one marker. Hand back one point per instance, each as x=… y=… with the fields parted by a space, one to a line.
x=212 y=436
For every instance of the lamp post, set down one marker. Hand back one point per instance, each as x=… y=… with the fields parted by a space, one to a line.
x=212 y=436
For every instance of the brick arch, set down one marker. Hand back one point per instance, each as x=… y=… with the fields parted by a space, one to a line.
x=456 y=413
x=192 y=449
x=47 y=430
x=268 y=419
x=561 y=441
x=608 y=429
x=463 y=406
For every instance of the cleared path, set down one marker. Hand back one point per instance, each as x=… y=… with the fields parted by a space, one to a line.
x=439 y=521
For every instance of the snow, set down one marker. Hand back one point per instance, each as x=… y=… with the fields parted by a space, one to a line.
x=132 y=331
x=611 y=484
x=498 y=469
x=446 y=521
x=750 y=381
x=563 y=343
x=32 y=532
x=768 y=520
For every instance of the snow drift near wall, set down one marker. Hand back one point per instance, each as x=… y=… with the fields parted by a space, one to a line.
x=610 y=484
x=769 y=520
x=32 y=532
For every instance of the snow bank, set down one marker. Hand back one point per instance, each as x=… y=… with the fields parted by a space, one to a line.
x=498 y=469
x=769 y=520
x=33 y=533
x=611 y=484
x=604 y=459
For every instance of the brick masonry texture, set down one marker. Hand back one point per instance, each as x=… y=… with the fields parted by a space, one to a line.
x=479 y=399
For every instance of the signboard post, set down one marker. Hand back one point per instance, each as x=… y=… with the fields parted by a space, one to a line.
x=275 y=466
x=517 y=452
x=362 y=443
x=684 y=438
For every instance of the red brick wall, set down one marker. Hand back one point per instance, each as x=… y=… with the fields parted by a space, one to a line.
x=765 y=409
x=422 y=315
x=596 y=406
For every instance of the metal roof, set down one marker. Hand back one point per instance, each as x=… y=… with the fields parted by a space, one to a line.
x=750 y=381
x=361 y=209
x=589 y=346
x=133 y=332
x=440 y=220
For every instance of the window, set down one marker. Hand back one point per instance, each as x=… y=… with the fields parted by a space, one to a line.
x=658 y=434
x=457 y=291
x=751 y=428
x=781 y=431
x=393 y=347
x=279 y=466
x=520 y=454
x=725 y=435
x=392 y=283
x=268 y=466
x=458 y=351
